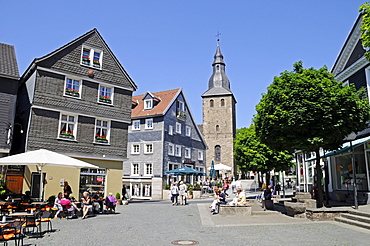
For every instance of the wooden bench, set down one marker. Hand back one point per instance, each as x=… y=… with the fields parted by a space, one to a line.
x=235 y=209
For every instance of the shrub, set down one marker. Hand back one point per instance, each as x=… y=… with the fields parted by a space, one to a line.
x=118 y=196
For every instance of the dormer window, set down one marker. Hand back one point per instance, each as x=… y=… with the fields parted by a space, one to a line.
x=148 y=104
x=91 y=57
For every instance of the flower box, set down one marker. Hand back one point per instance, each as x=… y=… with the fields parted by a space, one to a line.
x=72 y=93
x=66 y=135
x=105 y=99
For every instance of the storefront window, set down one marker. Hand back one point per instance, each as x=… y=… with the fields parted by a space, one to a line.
x=343 y=166
x=92 y=180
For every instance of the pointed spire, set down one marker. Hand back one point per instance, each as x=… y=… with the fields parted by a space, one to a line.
x=219 y=83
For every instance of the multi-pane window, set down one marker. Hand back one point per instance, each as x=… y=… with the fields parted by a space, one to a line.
x=101 y=131
x=200 y=155
x=148 y=148
x=105 y=94
x=148 y=104
x=187 y=153
x=170 y=130
x=178 y=128
x=149 y=124
x=72 y=88
x=188 y=131
x=171 y=149
x=177 y=150
x=91 y=57
x=96 y=59
x=135 y=169
x=136 y=125
x=135 y=149
x=67 y=127
x=218 y=153
x=181 y=114
x=148 y=169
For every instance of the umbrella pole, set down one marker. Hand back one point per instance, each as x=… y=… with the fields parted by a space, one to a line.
x=41 y=183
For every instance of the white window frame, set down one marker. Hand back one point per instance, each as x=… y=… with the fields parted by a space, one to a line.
x=134 y=124
x=148 y=169
x=146 y=146
x=68 y=136
x=102 y=127
x=181 y=106
x=149 y=125
x=200 y=155
x=170 y=130
x=171 y=149
x=106 y=100
x=187 y=153
x=178 y=128
x=135 y=169
x=133 y=148
x=148 y=104
x=70 y=92
x=188 y=131
x=91 y=63
x=178 y=150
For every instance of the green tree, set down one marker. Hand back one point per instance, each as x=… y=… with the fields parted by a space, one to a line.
x=306 y=109
x=365 y=27
x=252 y=155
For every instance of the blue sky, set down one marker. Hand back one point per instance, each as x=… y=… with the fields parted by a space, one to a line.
x=168 y=44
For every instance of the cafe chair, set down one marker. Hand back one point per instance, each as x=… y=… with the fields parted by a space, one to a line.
x=6 y=234
x=46 y=217
x=32 y=222
x=17 y=229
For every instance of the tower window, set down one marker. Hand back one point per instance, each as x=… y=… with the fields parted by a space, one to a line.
x=211 y=103
x=217 y=128
x=218 y=153
x=222 y=102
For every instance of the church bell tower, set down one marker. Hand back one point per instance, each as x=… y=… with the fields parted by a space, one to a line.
x=219 y=116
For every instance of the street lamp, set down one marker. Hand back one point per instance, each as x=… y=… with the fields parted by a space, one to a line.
x=352 y=137
x=10 y=132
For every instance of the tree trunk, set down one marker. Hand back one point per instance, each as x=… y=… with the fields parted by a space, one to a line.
x=319 y=194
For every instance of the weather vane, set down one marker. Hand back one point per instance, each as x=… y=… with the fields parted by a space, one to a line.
x=218 y=36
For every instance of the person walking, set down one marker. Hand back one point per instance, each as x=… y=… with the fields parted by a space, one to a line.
x=174 y=193
x=182 y=191
x=226 y=187
x=267 y=194
x=124 y=192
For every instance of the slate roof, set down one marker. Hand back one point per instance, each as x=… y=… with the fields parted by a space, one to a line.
x=162 y=102
x=8 y=61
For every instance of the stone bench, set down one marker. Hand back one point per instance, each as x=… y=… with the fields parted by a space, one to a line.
x=324 y=214
x=235 y=209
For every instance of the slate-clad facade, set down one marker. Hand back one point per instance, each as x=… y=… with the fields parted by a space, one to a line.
x=77 y=101
x=160 y=120
x=9 y=79
x=351 y=67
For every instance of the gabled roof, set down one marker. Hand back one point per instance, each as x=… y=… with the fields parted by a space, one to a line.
x=345 y=65
x=167 y=98
x=37 y=60
x=8 y=61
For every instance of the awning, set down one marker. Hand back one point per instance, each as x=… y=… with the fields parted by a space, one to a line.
x=346 y=146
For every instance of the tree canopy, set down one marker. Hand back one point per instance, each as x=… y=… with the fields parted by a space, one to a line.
x=306 y=109
x=252 y=155
x=365 y=27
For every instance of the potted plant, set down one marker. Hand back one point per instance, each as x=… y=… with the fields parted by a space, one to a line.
x=118 y=197
x=196 y=191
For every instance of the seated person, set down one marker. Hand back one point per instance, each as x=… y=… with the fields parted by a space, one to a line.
x=58 y=204
x=216 y=199
x=87 y=203
x=221 y=201
x=70 y=206
x=110 y=202
x=240 y=198
x=97 y=202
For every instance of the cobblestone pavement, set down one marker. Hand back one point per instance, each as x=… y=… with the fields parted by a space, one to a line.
x=160 y=223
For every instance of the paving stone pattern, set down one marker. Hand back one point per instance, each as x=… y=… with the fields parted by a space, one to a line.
x=160 y=223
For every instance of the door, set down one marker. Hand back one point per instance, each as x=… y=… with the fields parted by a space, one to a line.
x=35 y=184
